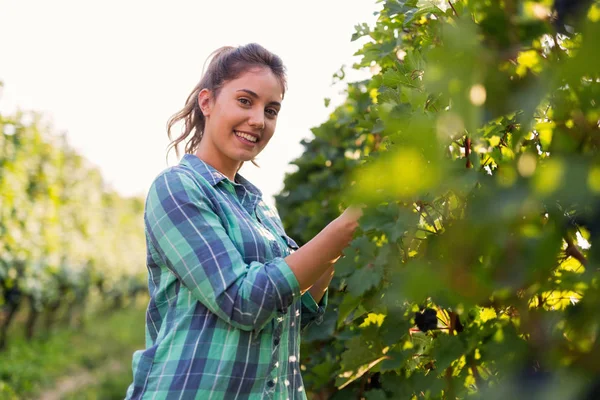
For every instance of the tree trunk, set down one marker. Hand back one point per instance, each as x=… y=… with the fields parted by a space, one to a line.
x=118 y=302
x=51 y=315
x=67 y=318
x=31 y=320
x=12 y=311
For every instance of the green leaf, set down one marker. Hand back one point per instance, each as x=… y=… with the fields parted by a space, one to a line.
x=447 y=349
x=375 y=394
x=396 y=79
x=357 y=354
x=347 y=307
x=364 y=279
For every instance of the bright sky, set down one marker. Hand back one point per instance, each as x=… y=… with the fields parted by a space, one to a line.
x=110 y=73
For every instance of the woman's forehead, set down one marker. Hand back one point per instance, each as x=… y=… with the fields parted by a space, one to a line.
x=261 y=81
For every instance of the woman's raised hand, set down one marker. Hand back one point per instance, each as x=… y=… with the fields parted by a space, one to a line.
x=347 y=223
x=310 y=261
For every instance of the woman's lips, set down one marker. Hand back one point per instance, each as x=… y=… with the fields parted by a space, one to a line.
x=244 y=140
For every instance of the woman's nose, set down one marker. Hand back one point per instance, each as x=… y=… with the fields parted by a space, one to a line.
x=257 y=120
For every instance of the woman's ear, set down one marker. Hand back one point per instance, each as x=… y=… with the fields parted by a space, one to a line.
x=204 y=101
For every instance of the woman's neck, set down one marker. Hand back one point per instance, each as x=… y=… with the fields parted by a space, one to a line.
x=218 y=161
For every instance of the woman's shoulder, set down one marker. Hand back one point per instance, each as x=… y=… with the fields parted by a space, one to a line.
x=179 y=175
x=178 y=180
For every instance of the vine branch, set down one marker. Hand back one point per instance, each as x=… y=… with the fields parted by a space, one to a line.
x=473 y=367
x=453 y=9
x=467 y=146
x=574 y=252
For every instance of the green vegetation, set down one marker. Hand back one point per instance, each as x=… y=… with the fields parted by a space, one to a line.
x=103 y=349
x=71 y=257
x=475 y=146
x=111 y=386
x=64 y=234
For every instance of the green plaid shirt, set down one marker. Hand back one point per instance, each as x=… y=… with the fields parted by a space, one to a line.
x=225 y=310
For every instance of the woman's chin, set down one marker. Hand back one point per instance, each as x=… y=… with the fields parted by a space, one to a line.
x=244 y=156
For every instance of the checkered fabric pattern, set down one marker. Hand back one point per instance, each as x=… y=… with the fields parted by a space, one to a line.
x=225 y=311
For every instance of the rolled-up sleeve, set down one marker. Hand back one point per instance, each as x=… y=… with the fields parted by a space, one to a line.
x=194 y=245
x=311 y=311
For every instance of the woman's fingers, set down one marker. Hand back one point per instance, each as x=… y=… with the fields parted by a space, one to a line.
x=355 y=211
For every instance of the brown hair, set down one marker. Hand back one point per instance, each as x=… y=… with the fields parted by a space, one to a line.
x=226 y=63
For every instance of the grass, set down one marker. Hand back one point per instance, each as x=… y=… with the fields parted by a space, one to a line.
x=111 y=385
x=28 y=367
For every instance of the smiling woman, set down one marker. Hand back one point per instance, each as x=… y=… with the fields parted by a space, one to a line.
x=245 y=111
x=256 y=84
x=229 y=290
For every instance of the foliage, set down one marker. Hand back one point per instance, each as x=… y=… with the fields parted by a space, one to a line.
x=64 y=234
x=27 y=367
x=475 y=146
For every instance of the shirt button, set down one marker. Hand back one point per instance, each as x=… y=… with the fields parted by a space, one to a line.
x=270 y=384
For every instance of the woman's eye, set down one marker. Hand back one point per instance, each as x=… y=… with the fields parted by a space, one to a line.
x=244 y=101
x=272 y=112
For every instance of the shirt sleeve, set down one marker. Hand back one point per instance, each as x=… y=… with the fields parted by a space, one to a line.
x=311 y=311
x=194 y=245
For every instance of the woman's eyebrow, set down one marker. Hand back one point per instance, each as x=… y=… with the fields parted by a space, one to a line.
x=253 y=94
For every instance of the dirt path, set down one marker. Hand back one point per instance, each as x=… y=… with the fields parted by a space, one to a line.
x=79 y=380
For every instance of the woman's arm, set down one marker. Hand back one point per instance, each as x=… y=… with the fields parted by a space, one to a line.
x=318 y=289
x=186 y=236
x=310 y=262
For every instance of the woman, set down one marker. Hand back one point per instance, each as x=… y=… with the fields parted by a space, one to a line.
x=230 y=291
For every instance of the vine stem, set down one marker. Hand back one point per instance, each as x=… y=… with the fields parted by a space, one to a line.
x=473 y=366
x=451 y=393
x=467 y=146
x=453 y=9
x=574 y=252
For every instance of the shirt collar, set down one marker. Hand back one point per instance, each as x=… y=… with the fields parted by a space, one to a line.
x=213 y=176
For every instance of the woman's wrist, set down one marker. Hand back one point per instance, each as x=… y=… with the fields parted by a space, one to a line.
x=312 y=260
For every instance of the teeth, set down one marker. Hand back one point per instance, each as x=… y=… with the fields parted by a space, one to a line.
x=245 y=136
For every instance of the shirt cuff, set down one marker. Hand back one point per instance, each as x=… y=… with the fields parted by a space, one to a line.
x=316 y=310
x=309 y=302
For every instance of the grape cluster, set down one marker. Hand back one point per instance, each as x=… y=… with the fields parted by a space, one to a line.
x=426 y=320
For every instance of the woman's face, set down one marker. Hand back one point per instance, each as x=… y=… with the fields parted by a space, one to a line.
x=241 y=120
